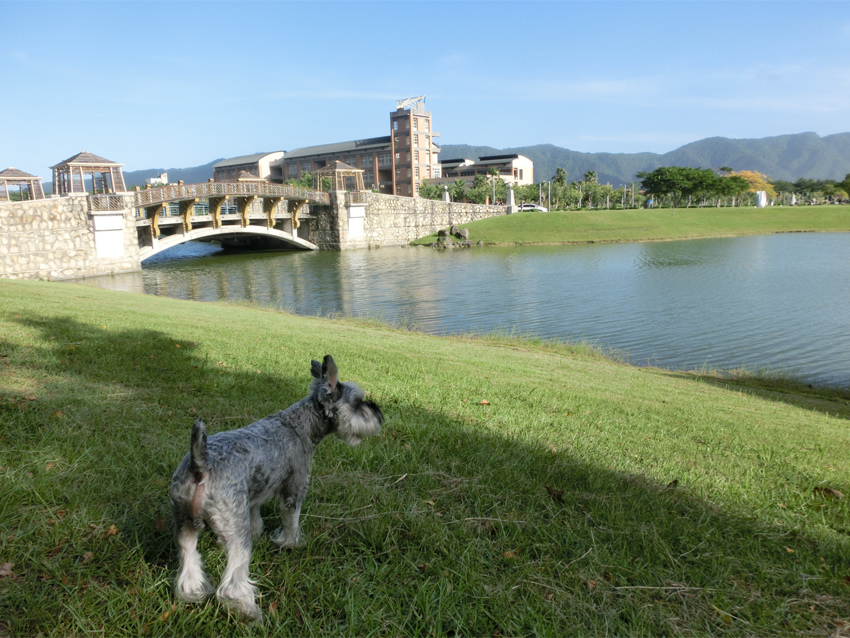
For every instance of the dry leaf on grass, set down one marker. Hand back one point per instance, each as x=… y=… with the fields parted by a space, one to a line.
x=557 y=495
x=828 y=491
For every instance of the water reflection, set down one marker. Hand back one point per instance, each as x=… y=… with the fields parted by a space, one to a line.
x=779 y=302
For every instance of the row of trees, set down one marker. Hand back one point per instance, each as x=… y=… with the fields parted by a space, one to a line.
x=673 y=186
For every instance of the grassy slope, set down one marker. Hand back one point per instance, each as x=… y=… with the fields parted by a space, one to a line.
x=549 y=509
x=647 y=225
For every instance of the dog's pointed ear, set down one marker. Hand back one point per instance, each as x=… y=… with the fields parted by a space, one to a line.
x=329 y=370
x=316 y=369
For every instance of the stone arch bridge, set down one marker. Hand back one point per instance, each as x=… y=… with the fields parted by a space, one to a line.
x=79 y=234
x=259 y=213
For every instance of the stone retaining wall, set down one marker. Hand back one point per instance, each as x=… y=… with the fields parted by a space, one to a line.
x=58 y=238
x=374 y=219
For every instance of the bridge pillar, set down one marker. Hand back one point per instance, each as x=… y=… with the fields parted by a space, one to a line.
x=187 y=207
x=269 y=204
x=295 y=208
x=242 y=205
x=153 y=213
x=215 y=209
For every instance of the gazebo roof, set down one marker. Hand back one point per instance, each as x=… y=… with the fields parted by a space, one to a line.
x=86 y=158
x=245 y=176
x=337 y=166
x=14 y=173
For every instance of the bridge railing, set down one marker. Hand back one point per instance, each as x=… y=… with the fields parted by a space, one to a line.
x=106 y=202
x=175 y=192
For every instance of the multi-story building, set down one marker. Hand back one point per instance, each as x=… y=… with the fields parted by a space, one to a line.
x=393 y=164
x=263 y=165
x=513 y=169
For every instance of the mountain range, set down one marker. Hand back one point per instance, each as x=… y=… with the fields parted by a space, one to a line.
x=785 y=157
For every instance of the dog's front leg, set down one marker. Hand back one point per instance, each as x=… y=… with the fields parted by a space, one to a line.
x=289 y=533
x=256 y=522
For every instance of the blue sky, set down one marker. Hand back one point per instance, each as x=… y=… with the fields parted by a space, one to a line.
x=176 y=84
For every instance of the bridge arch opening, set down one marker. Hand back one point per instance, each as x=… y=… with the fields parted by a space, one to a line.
x=250 y=238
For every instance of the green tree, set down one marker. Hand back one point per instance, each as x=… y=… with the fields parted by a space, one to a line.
x=305 y=181
x=845 y=185
x=680 y=183
x=732 y=186
x=480 y=190
x=457 y=191
x=560 y=177
x=526 y=193
x=430 y=191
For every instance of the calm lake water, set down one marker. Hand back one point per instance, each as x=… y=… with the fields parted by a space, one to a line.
x=778 y=303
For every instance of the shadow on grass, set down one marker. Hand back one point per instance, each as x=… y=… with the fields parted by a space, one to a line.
x=832 y=401
x=440 y=526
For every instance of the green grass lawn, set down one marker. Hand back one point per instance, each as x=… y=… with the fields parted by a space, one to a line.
x=517 y=488
x=564 y=227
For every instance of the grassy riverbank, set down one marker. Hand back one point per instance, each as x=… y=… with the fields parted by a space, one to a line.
x=567 y=227
x=518 y=488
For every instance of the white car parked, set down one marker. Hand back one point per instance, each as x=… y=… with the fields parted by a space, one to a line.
x=533 y=207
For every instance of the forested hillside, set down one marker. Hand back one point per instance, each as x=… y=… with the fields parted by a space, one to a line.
x=786 y=157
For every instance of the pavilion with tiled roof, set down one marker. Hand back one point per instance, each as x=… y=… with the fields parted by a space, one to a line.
x=28 y=186
x=70 y=176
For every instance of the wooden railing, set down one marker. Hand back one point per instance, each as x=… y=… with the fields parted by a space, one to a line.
x=176 y=192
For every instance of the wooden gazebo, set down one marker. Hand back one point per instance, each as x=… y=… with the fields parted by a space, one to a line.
x=340 y=175
x=70 y=176
x=28 y=186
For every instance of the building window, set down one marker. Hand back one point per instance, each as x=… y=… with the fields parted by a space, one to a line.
x=427 y=125
x=398 y=157
x=416 y=156
x=395 y=125
x=416 y=172
x=305 y=167
x=415 y=123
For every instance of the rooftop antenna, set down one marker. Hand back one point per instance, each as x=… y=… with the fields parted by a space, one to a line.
x=411 y=101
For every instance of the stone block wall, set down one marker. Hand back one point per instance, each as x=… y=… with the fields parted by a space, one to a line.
x=389 y=220
x=56 y=239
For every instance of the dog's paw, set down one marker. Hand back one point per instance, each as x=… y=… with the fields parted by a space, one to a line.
x=288 y=538
x=193 y=587
x=239 y=596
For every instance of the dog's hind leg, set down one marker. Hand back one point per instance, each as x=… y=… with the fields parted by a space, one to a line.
x=237 y=589
x=192 y=583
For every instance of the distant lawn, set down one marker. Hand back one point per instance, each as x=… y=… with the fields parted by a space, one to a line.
x=518 y=487
x=650 y=225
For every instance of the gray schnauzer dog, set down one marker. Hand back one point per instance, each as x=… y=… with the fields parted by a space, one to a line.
x=225 y=479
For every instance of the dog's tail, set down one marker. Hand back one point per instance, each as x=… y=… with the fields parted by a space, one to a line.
x=199 y=464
